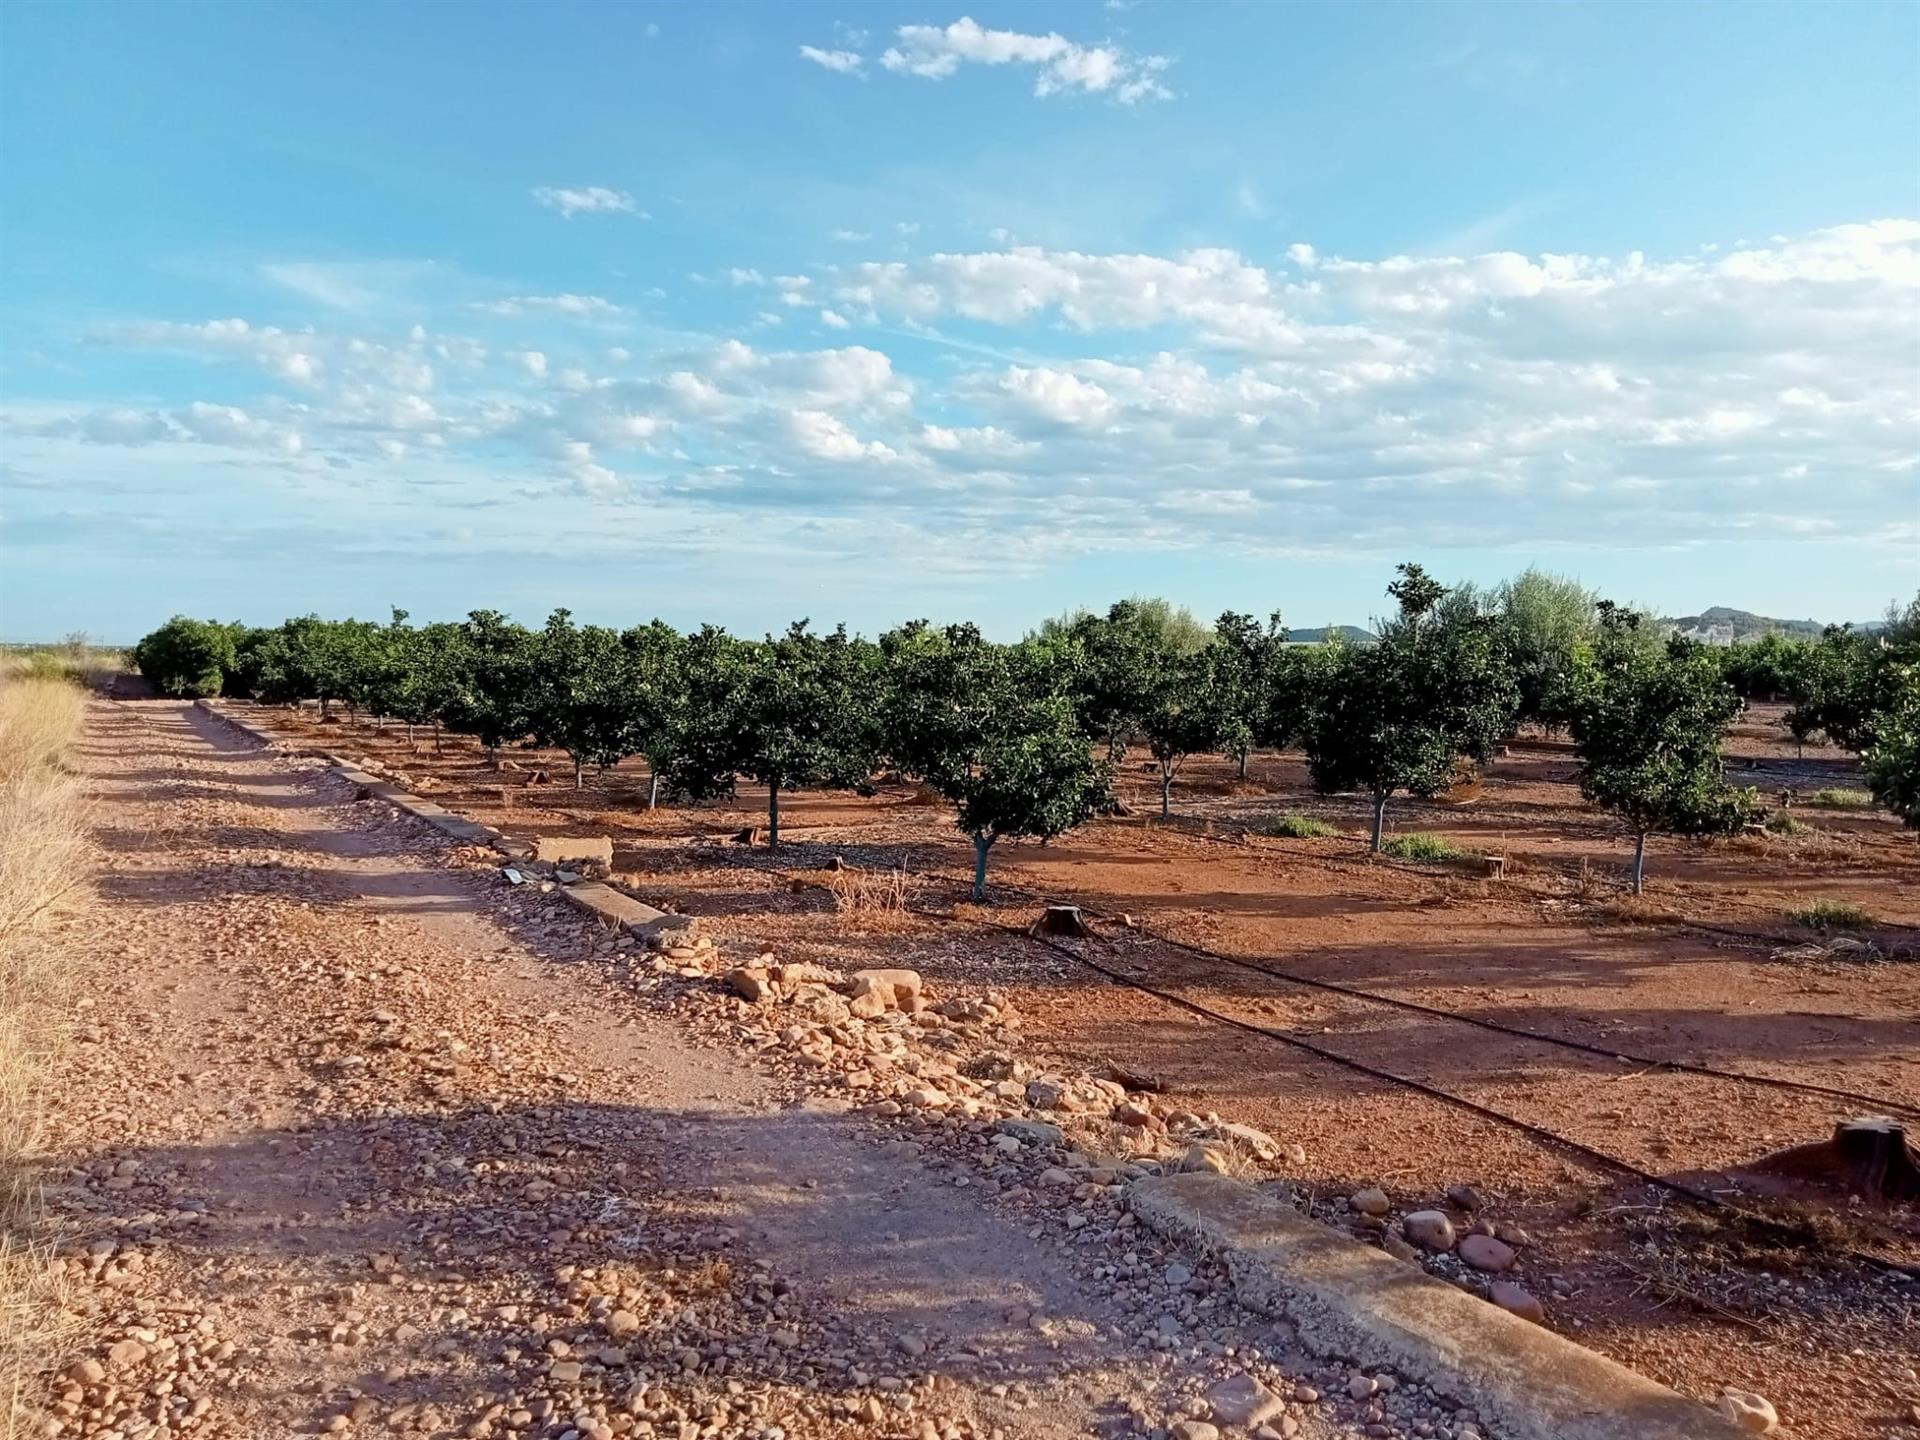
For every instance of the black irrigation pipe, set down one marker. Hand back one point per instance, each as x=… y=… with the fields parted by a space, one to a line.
x=1624 y=1057
x=1600 y=1158
x=1879 y=1102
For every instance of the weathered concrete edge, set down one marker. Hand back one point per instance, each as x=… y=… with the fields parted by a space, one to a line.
x=620 y=911
x=623 y=912
x=1349 y=1300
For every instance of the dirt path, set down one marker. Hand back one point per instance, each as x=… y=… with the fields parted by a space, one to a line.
x=338 y=1151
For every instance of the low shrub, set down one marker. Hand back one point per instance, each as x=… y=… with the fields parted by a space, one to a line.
x=1782 y=823
x=1844 y=799
x=1423 y=847
x=1299 y=827
x=1826 y=914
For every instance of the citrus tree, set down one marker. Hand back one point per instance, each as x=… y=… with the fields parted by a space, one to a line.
x=794 y=711
x=1648 y=728
x=1191 y=712
x=490 y=668
x=580 y=696
x=186 y=658
x=1243 y=662
x=1398 y=715
x=995 y=730
x=1893 y=761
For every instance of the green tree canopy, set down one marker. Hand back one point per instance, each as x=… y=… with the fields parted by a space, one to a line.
x=1397 y=715
x=995 y=731
x=1648 y=728
x=186 y=658
x=794 y=711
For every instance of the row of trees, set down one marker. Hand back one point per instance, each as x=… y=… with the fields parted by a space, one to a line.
x=1022 y=738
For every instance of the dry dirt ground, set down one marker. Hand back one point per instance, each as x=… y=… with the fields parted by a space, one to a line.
x=1707 y=968
x=352 y=1137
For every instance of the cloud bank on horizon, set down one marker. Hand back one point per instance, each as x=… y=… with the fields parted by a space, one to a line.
x=981 y=411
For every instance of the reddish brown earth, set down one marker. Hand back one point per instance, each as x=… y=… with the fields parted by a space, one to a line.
x=1705 y=968
x=350 y=1136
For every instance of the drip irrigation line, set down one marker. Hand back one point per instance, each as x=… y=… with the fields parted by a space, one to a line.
x=1441 y=1012
x=1879 y=1103
x=1600 y=1158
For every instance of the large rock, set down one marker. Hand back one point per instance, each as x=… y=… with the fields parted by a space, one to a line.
x=561 y=849
x=748 y=983
x=872 y=993
x=1517 y=1300
x=1751 y=1412
x=1429 y=1229
x=1243 y=1400
x=1483 y=1252
x=1034 y=1132
x=1258 y=1143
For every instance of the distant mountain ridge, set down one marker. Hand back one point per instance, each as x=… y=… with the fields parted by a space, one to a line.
x=1726 y=624
x=1316 y=635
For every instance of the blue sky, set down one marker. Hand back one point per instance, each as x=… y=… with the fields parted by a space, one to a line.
x=871 y=311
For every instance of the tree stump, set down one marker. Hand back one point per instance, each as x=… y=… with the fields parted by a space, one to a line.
x=1062 y=920
x=1496 y=866
x=1870 y=1154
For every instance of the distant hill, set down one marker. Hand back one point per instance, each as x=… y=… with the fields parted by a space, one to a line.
x=1352 y=633
x=1725 y=624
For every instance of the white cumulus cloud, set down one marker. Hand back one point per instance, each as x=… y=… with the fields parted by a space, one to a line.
x=585 y=200
x=934 y=52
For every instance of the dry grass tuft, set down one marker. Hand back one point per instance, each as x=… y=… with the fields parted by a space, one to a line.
x=44 y=865
x=875 y=896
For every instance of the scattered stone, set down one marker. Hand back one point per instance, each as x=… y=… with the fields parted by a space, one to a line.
x=748 y=983
x=1464 y=1196
x=1518 y=1300
x=1752 y=1413
x=1242 y=1400
x=1033 y=1132
x=1371 y=1201
x=1483 y=1252
x=1429 y=1229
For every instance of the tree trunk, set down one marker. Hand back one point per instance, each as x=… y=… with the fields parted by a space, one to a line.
x=1244 y=754
x=982 y=842
x=1639 y=860
x=437 y=732
x=773 y=815
x=1379 y=821
x=653 y=790
x=1166 y=791
x=579 y=778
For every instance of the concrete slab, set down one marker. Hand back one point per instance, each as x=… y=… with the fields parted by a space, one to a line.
x=1351 y=1301
x=626 y=913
